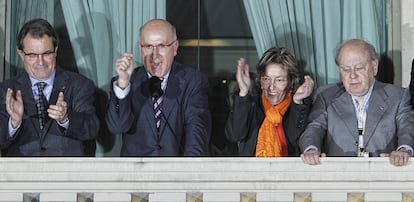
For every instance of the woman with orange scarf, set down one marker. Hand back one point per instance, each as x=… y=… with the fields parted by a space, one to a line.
x=269 y=124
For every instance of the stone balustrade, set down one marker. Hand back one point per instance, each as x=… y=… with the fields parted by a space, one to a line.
x=216 y=179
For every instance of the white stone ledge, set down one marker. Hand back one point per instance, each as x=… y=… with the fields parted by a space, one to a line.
x=219 y=179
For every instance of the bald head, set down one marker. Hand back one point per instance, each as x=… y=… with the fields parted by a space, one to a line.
x=360 y=44
x=160 y=24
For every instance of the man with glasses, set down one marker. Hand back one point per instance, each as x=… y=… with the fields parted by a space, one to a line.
x=45 y=111
x=160 y=108
x=359 y=116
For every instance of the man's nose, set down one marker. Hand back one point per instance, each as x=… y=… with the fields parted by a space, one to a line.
x=40 y=58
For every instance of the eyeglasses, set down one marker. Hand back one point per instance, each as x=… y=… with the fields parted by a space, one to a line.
x=267 y=80
x=148 y=48
x=358 y=68
x=34 y=56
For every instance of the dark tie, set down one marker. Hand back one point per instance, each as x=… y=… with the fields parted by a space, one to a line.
x=157 y=110
x=41 y=104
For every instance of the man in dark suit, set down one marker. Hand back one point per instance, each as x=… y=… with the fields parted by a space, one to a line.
x=56 y=119
x=160 y=108
x=359 y=116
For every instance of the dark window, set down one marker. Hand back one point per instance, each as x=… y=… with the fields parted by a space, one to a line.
x=213 y=34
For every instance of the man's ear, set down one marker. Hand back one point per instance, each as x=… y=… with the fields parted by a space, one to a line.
x=21 y=54
x=374 y=64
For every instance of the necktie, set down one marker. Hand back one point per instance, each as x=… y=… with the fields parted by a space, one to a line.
x=362 y=114
x=157 y=110
x=41 y=104
x=361 y=127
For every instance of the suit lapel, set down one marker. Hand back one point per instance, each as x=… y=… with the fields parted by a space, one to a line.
x=144 y=99
x=172 y=93
x=376 y=109
x=346 y=111
x=60 y=84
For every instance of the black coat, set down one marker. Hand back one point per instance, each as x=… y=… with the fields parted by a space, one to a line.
x=247 y=115
x=53 y=140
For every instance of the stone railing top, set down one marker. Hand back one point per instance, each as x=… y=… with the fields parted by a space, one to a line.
x=193 y=174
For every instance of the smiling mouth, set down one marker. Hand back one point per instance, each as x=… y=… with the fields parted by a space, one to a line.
x=272 y=93
x=155 y=64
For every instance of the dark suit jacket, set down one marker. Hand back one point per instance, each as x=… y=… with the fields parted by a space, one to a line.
x=53 y=140
x=333 y=123
x=185 y=126
x=247 y=115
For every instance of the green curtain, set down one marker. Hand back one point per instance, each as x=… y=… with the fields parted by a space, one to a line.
x=313 y=29
x=102 y=30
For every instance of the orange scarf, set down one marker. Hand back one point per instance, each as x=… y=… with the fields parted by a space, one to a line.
x=271 y=140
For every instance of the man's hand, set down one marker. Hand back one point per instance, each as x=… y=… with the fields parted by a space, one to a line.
x=14 y=107
x=398 y=158
x=59 y=112
x=124 y=67
x=312 y=157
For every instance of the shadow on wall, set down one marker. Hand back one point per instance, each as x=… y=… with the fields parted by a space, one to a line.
x=65 y=56
x=105 y=138
x=386 y=68
x=299 y=43
x=67 y=59
x=98 y=61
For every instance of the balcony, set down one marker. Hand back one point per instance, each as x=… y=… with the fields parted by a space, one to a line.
x=203 y=180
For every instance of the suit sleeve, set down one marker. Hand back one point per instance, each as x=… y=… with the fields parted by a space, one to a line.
x=317 y=124
x=4 y=117
x=119 y=115
x=405 y=121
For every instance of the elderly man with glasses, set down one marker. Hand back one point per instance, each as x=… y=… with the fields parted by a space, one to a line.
x=359 y=116
x=160 y=108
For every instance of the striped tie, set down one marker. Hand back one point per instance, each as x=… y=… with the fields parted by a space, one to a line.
x=157 y=110
x=41 y=103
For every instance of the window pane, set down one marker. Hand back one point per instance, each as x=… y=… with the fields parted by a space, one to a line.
x=213 y=35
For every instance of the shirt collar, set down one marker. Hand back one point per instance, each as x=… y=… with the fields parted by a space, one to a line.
x=49 y=80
